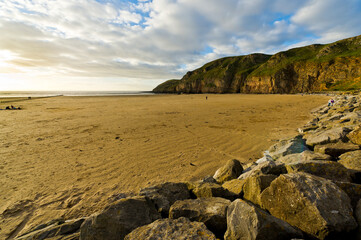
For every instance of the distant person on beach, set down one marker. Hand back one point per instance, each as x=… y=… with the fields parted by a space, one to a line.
x=206 y=97
x=331 y=102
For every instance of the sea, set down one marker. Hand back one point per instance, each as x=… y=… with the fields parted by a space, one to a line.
x=7 y=94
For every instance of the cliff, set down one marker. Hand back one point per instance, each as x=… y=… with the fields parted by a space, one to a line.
x=334 y=66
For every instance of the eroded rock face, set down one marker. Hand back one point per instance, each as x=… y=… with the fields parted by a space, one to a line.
x=328 y=136
x=206 y=189
x=353 y=191
x=358 y=219
x=304 y=156
x=164 y=195
x=247 y=222
x=181 y=228
x=235 y=186
x=211 y=211
x=231 y=170
x=326 y=169
x=355 y=136
x=119 y=219
x=313 y=204
x=266 y=167
x=351 y=160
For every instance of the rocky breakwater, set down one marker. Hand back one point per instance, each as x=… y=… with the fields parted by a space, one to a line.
x=306 y=187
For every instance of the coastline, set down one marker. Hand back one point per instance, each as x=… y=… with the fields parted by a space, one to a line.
x=216 y=128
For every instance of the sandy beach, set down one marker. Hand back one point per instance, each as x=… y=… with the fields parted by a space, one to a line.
x=67 y=157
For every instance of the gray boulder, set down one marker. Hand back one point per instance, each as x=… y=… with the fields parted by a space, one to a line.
x=353 y=191
x=315 y=205
x=304 y=156
x=119 y=219
x=164 y=195
x=247 y=222
x=351 y=160
x=326 y=136
x=326 y=169
x=211 y=211
x=286 y=147
x=231 y=170
x=336 y=149
x=181 y=228
x=266 y=167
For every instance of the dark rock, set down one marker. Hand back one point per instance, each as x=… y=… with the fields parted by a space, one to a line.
x=211 y=211
x=355 y=136
x=119 y=219
x=353 y=191
x=181 y=228
x=255 y=185
x=231 y=170
x=336 y=149
x=247 y=222
x=164 y=195
x=202 y=190
x=351 y=160
x=313 y=204
x=326 y=169
x=266 y=167
x=358 y=219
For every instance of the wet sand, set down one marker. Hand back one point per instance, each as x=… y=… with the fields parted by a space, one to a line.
x=70 y=156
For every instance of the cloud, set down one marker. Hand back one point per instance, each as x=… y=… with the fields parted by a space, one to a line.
x=159 y=39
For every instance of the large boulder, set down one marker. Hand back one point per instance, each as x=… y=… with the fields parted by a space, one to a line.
x=315 y=205
x=266 y=167
x=181 y=228
x=304 y=156
x=326 y=169
x=235 y=187
x=247 y=222
x=326 y=136
x=231 y=170
x=355 y=136
x=286 y=147
x=119 y=219
x=358 y=219
x=336 y=149
x=351 y=160
x=353 y=191
x=211 y=211
x=164 y=195
x=254 y=186
x=207 y=189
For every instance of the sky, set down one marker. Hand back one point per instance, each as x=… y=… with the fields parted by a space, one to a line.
x=105 y=45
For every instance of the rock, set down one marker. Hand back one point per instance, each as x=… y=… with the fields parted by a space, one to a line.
x=326 y=169
x=164 y=195
x=307 y=128
x=235 y=186
x=211 y=211
x=285 y=147
x=336 y=149
x=304 y=156
x=355 y=136
x=313 y=204
x=247 y=222
x=231 y=170
x=254 y=186
x=202 y=190
x=267 y=167
x=351 y=160
x=327 y=136
x=353 y=191
x=58 y=229
x=358 y=219
x=119 y=219
x=181 y=228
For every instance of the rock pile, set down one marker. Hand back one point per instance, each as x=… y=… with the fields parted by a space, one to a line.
x=307 y=187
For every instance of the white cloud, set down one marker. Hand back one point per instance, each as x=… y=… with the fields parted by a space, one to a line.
x=158 y=39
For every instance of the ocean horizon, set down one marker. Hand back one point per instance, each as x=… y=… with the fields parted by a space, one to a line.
x=7 y=94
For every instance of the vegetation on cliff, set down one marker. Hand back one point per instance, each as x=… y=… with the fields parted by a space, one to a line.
x=334 y=66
